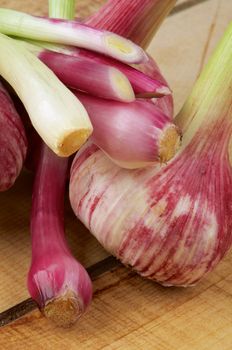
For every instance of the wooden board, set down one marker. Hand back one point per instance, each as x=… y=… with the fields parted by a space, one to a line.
x=127 y=312
x=130 y=313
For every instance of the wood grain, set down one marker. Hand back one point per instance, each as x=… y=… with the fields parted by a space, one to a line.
x=130 y=313
x=184 y=42
x=127 y=312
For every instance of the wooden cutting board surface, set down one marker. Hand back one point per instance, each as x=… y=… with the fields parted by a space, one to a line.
x=127 y=312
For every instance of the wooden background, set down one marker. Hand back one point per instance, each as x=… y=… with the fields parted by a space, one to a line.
x=127 y=312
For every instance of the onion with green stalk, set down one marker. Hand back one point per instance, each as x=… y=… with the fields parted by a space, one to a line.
x=71 y=33
x=56 y=280
x=57 y=115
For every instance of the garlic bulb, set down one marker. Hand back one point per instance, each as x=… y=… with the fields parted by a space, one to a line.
x=170 y=223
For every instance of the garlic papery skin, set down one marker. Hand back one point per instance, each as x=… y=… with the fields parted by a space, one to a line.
x=172 y=223
x=13 y=141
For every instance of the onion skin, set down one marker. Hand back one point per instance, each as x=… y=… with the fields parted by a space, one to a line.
x=70 y=64
x=82 y=73
x=139 y=83
x=133 y=135
x=152 y=70
x=13 y=142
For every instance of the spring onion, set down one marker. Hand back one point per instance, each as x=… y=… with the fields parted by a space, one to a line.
x=70 y=32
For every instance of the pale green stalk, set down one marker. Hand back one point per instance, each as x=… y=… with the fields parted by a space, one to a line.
x=211 y=96
x=73 y=33
x=38 y=46
x=57 y=115
x=64 y=9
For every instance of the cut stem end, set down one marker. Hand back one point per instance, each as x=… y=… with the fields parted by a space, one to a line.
x=169 y=143
x=65 y=310
x=72 y=142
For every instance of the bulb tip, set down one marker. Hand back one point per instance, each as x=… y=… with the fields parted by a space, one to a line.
x=122 y=86
x=169 y=143
x=163 y=91
x=157 y=93
x=65 y=310
x=124 y=50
